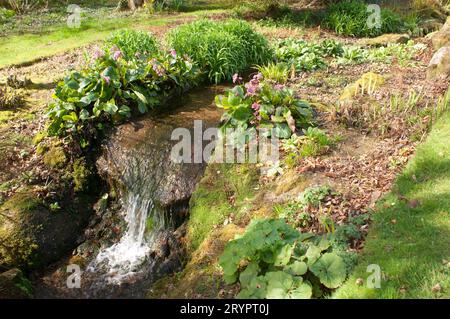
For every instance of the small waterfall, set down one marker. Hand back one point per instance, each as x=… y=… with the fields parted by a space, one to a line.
x=154 y=190
x=124 y=258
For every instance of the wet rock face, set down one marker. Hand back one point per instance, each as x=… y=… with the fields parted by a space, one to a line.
x=137 y=156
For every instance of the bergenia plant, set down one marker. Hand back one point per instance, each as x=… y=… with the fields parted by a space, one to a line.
x=111 y=88
x=264 y=105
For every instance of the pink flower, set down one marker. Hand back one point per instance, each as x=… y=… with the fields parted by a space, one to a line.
x=173 y=53
x=258 y=76
x=236 y=78
x=117 y=55
x=278 y=87
x=256 y=106
x=107 y=79
x=159 y=70
x=98 y=54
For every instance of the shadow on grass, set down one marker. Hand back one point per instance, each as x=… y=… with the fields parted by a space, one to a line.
x=410 y=235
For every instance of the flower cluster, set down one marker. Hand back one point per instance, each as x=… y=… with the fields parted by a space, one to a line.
x=253 y=86
x=263 y=104
x=157 y=67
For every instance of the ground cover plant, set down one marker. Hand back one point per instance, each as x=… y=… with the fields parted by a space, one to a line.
x=282 y=263
x=306 y=56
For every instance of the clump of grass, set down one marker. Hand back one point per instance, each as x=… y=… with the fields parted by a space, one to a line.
x=132 y=42
x=10 y=98
x=277 y=72
x=403 y=114
x=350 y=17
x=221 y=49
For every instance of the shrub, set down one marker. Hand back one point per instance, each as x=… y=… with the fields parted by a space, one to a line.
x=273 y=260
x=110 y=89
x=264 y=105
x=350 y=17
x=221 y=48
x=132 y=42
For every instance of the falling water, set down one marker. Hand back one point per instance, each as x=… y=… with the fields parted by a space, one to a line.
x=124 y=258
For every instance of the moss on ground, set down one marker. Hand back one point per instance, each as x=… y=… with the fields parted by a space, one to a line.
x=225 y=189
x=54 y=156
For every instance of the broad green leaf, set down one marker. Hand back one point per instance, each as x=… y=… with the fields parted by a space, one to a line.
x=301 y=290
x=297 y=268
x=283 y=255
x=84 y=114
x=330 y=269
x=250 y=272
x=278 y=284
x=282 y=130
x=312 y=254
x=257 y=289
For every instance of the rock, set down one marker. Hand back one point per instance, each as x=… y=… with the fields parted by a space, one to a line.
x=137 y=156
x=431 y=25
x=439 y=65
x=442 y=37
x=33 y=236
x=14 y=285
x=387 y=38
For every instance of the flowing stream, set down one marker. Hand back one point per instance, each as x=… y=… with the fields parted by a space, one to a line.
x=153 y=189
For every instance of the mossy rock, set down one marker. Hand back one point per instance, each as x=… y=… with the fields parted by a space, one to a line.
x=385 y=39
x=82 y=175
x=14 y=285
x=33 y=236
x=442 y=37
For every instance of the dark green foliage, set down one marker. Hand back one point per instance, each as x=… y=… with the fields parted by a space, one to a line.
x=273 y=260
x=350 y=17
x=221 y=48
x=132 y=42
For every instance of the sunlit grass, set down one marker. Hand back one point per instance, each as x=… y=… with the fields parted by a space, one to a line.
x=18 y=49
x=409 y=236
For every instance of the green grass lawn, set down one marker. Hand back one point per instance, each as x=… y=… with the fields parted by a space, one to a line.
x=16 y=49
x=410 y=235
